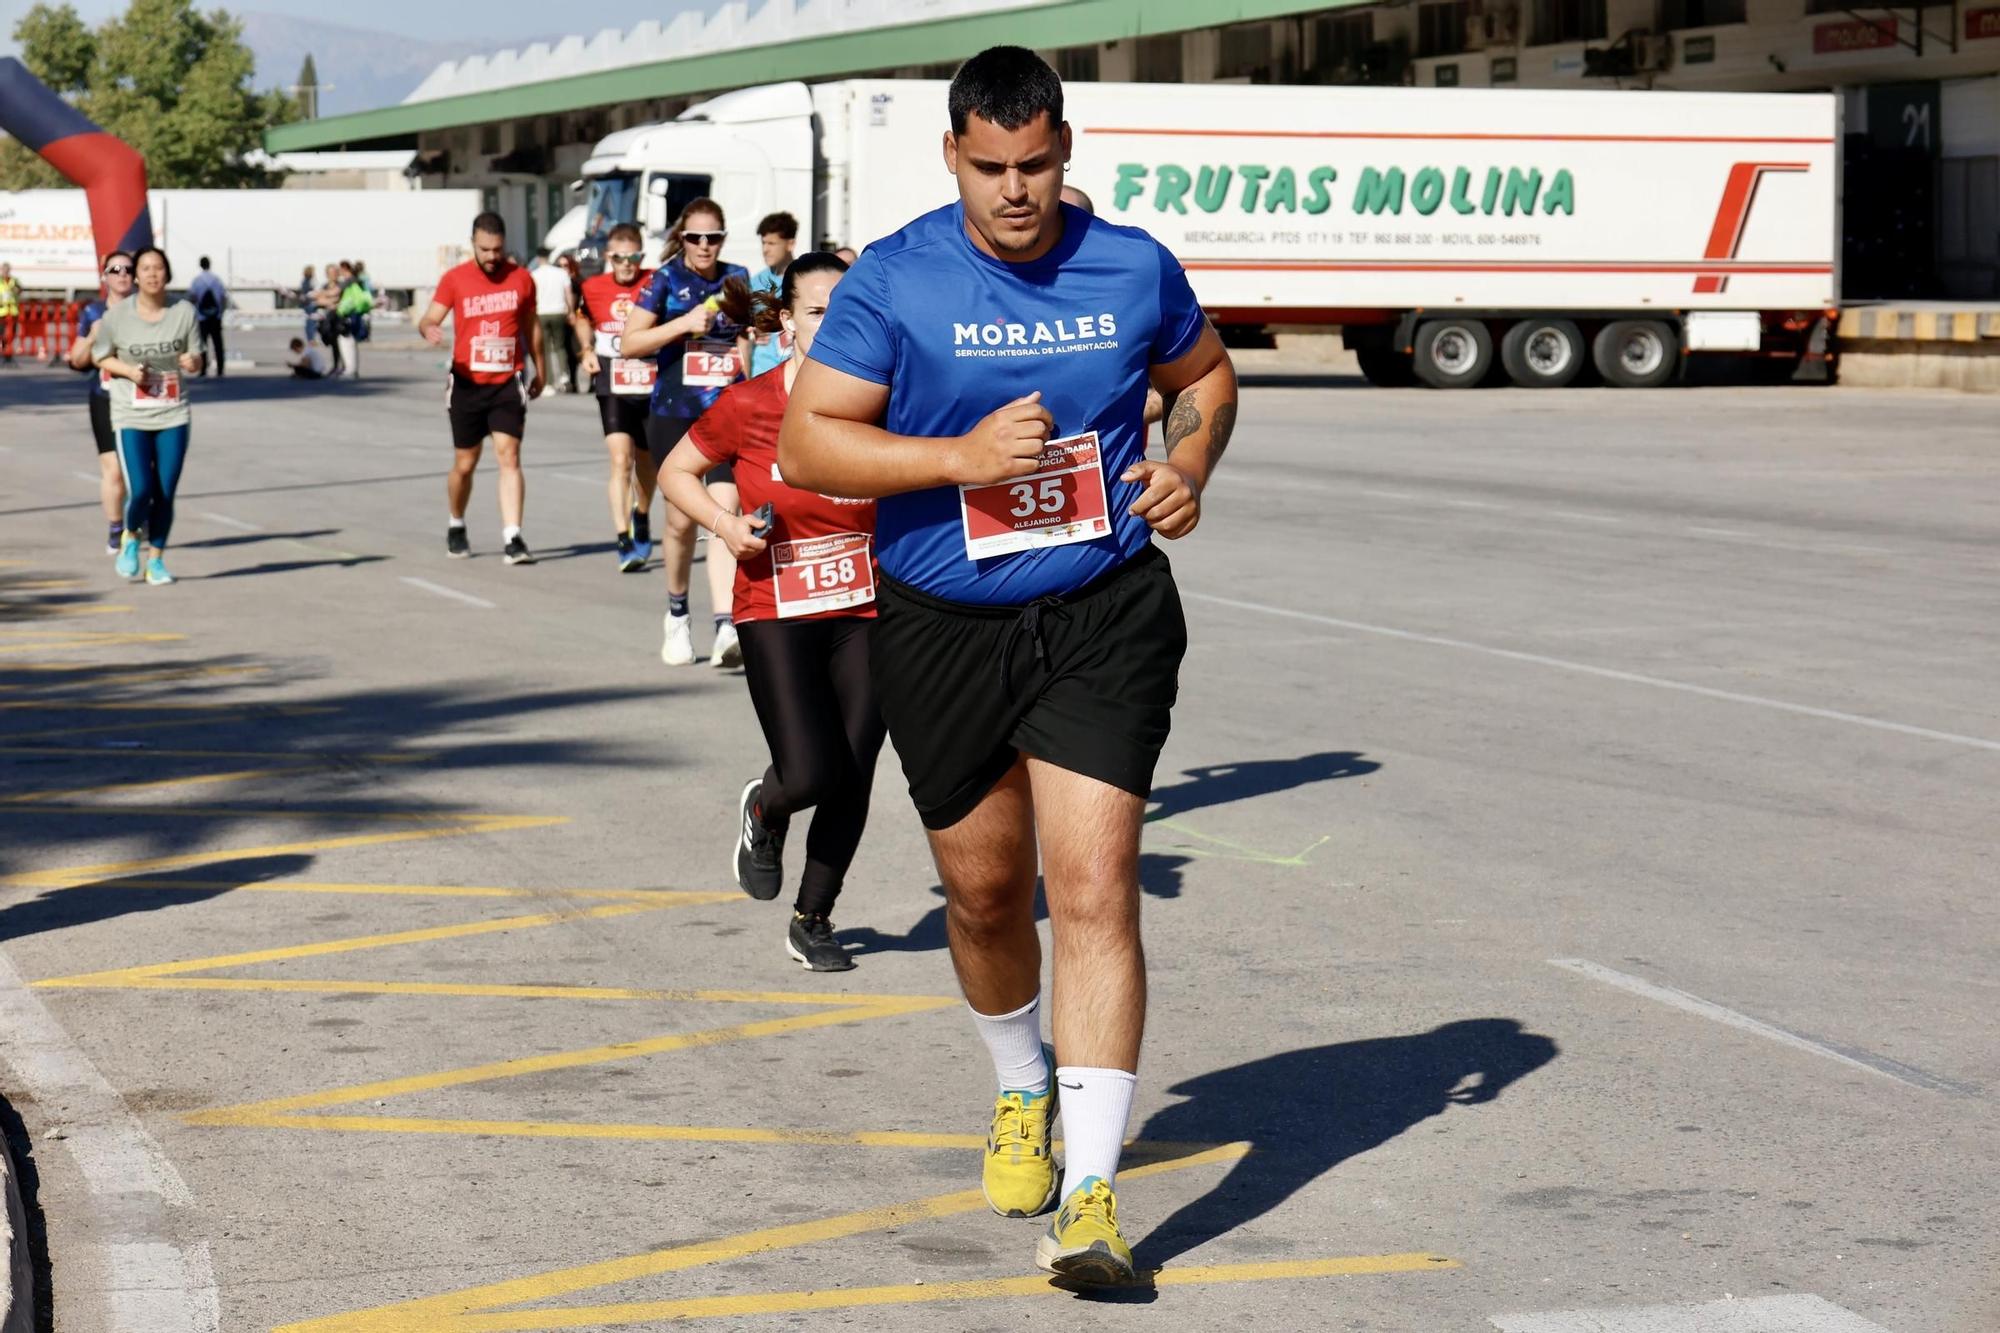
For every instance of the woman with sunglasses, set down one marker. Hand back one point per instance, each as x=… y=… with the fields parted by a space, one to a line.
x=147 y=346
x=624 y=388
x=110 y=481
x=699 y=353
x=805 y=595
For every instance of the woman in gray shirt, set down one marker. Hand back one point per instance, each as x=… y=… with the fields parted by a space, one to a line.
x=147 y=347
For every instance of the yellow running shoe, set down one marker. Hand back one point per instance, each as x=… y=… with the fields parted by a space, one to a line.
x=1083 y=1243
x=1019 y=1176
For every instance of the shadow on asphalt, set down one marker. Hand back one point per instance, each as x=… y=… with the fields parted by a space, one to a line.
x=294 y=566
x=31 y=387
x=105 y=899
x=1219 y=784
x=76 y=718
x=1307 y=1111
x=252 y=538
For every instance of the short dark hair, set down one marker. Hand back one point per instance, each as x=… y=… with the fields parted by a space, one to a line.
x=1008 y=85
x=491 y=223
x=784 y=224
x=542 y=252
x=145 y=250
x=627 y=231
x=204 y=261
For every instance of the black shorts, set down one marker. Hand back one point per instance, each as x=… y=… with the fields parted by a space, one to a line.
x=100 y=423
x=478 y=410
x=623 y=414
x=1085 y=681
x=663 y=433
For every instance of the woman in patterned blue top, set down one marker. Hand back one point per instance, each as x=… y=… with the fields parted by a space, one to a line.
x=700 y=353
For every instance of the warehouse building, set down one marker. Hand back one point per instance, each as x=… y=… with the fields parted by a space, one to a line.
x=1919 y=86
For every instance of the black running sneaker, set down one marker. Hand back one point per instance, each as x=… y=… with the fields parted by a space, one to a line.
x=455 y=543
x=629 y=558
x=642 y=527
x=760 y=853
x=811 y=941
x=517 y=552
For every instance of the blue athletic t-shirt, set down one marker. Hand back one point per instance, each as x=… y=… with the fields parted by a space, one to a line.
x=673 y=292
x=956 y=333
x=85 y=322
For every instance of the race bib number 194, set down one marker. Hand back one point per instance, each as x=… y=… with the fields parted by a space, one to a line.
x=1061 y=502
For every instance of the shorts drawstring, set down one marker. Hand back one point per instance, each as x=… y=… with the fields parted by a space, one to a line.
x=1029 y=622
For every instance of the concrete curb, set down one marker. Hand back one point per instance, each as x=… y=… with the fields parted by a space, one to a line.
x=17 y=1281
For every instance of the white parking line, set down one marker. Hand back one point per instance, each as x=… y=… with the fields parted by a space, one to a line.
x=1761 y=1314
x=228 y=522
x=452 y=593
x=143 y=1280
x=1694 y=1004
x=1605 y=673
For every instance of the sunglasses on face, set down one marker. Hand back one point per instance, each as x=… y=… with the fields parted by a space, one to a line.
x=118 y=271
x=703 y=237
x=632 y=258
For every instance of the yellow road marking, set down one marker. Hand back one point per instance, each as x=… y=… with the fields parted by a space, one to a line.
x=1135 y=1152
x=427 y=934
x=41 y=585
x=80 y=609
x=46 y=640
x=112 y=675
x=122 y=728
x=69 y=875
x=471 y=1309
x=145 y=979
x=197 y=780
x=255 y=1113
x=405 y=890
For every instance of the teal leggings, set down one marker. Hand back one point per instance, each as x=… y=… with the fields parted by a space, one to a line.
x=151 y=460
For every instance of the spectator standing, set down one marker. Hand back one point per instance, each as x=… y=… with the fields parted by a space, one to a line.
x=209 y=298
x=361 y=276
x=779 y=233
x=351 y=314
x=566 y=261
x=555 y=301
x=326 y=325
x=307 y=308
x=10 y=312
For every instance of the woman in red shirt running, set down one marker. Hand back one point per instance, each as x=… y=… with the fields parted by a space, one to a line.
x=805 y=593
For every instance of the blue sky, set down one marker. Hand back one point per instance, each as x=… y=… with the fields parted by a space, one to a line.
x=500 y=20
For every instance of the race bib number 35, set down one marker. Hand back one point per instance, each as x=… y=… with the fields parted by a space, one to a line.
x=822 y=574
x=1061 y=502
x=710 y=365
x=632 y=376
x=161 y=389
x=492 y=355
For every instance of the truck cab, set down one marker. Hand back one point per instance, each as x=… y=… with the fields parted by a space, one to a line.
x=751 y=151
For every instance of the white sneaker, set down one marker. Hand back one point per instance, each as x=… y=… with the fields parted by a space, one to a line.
x=728 y=651
x=678 y=647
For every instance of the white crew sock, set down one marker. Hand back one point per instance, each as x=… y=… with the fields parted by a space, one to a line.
x=1015 y=1043
x=509 y=533
x=1096 y=1103
x=457 y=522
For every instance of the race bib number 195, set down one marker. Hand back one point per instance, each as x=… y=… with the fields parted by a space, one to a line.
x=1061 y=502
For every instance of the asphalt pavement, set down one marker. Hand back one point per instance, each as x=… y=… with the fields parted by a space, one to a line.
x=1570 y=894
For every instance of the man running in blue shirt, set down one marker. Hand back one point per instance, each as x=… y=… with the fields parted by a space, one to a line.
x=983 y=372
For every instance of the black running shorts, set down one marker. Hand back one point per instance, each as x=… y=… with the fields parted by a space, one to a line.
x=100 y=423
x=623 y=414
x=663 y=433
x=1085 y=681
x=479 y=410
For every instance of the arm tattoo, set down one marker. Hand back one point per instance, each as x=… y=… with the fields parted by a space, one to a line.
x=1219 y=433
x=1184 y=420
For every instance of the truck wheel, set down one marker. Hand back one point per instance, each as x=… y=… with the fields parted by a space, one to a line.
x=1542 y=353
x=1636 y=353
x=1385 y=368
x=1453 y=353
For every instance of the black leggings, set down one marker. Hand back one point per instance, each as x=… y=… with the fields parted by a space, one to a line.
x=816 y=702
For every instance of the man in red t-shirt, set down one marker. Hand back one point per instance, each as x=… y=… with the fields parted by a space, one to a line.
x=490 y=301
x=624 y=389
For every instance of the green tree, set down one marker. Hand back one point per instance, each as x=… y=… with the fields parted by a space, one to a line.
x=167 y=79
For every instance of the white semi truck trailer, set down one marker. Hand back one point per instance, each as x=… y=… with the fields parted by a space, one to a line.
x=1451 y=234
